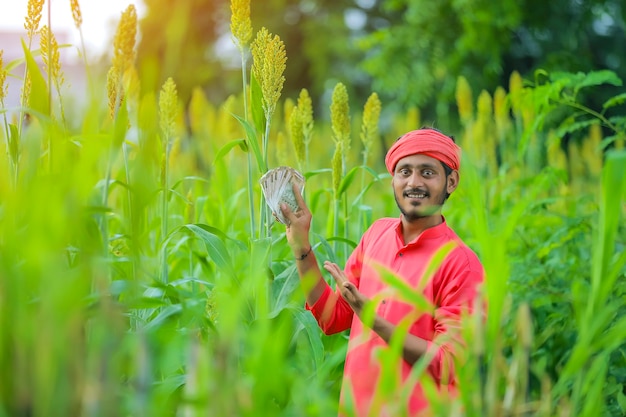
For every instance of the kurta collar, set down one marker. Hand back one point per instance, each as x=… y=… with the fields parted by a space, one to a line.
x=430 y=233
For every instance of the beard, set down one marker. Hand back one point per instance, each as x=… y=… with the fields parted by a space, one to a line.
x=421 y=211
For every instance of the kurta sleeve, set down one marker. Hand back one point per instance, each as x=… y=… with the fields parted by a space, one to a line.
x=332 y=312
x=455 y=296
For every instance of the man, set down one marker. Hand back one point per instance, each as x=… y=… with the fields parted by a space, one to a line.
x=424 y=164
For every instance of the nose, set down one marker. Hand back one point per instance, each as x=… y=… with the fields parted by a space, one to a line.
x=415 y=180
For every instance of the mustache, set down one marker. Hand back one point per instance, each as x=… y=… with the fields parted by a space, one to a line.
x=416 y=191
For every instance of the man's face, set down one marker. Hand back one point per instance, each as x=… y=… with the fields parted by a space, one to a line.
x=420 y=185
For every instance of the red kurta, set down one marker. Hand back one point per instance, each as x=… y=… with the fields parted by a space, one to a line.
x=450 y=290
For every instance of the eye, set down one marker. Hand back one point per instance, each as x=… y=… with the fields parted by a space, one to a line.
x=428 y=172
x=404 y=172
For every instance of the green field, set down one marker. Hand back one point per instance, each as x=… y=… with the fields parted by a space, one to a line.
x=141 y=273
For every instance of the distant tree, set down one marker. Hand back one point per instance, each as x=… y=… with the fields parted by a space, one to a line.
x=416 y=58
x=410 y=52
x=178 y=40
x=190 y=42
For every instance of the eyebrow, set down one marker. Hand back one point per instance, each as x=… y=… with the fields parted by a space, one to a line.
x=419 y=166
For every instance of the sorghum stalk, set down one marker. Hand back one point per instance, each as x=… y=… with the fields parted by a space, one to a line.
x=464 y=100
x=31 y=24
x=52 y=64
x=305 y=108
x=340 y=123
x=33 y=17
x=78 y=22
x=297 y=136
x=591 y=148
x=516 y=91
x=369 y=127
x=369 y=132
x=336 y=181
x=241 y=29
x=168 y=108
x=485 y=120
x=3 y=94
x=269 y=63
x=465 y=104
x=123 y=58
x=281 y=148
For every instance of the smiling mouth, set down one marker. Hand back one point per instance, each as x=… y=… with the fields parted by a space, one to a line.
x=416 y=194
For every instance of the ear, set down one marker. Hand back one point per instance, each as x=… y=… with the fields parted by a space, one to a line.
x=453 y=181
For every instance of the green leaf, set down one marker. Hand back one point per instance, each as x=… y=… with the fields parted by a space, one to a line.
x=190 y=178
x=169 y=385
x=223 y=151
x=215 y=247
x=141 y=303
x=121 y=124
x=310 y=327
x=38 y=96
x=256 y=104
x=436 y=261
x=613 y=338
x=253 y=143
x=619 y=121
x=311 y=174
x=14 y=142
x=607 y=141
x=621 y=399
x=593 y=404
x=112 y=183
x=347 y=180
x=568 y=127
x=377 y=177
x=404 y=290
x=349 y=242
x=614 y=101
x=282 y=289
x=259 y=273
x=163 y=316
x=183 y=281
x=595 y=78
x=603 y=277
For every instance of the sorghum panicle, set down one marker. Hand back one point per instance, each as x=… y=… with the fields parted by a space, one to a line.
x=3 y=78
x=25 y=96
x=282 y=148
x=168 y=108
x=501 y=112
x=464 y=100
x=269 y=63
x=297 y=135
x=340 y=116
x=76 y=14
x=305 y=108
x=124 y=40
x=33 y=17
x=113 y=80
x=556 y=156
x=516 y=87
x=50 y=55
x=591 y=148
x=371 y=117
x=240 y=23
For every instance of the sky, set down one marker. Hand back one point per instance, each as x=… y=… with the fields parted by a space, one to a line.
x=100 y=18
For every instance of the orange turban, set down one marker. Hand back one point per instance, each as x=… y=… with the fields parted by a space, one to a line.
x=428 y=142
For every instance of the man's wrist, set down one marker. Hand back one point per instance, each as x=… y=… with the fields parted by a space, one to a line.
x=303 y=253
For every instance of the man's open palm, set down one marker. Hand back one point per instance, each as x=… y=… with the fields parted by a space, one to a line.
x=348 y=290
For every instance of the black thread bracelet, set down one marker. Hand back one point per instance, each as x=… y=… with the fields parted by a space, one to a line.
x=301 y=258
